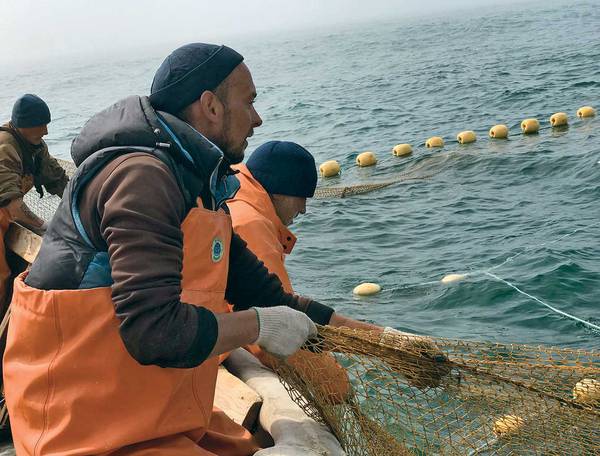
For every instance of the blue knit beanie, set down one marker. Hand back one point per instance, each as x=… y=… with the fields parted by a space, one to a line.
x=188 y=71
x=30 y=111
x=285 y=168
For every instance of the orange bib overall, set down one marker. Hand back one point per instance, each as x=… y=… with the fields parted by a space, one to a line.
x=255 y=220
x=72 y=388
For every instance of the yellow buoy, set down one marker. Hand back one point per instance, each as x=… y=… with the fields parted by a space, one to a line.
x=530 y=126
x=586 y=111
x=499 y=131
x=366 y=159
x=465 y=137
x=400 y=150
x=329 y=168
x=435 y=141
x=449 y=278
x=366 y=289
x=507 y=425
x=587 y=391
x=559 y=119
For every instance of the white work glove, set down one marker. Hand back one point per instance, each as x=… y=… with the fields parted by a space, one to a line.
x=283 y=330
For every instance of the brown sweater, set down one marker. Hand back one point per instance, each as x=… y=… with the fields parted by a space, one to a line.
x=134 y=209
x=20 y=160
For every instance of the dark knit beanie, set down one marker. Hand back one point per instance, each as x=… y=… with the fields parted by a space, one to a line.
x=188 y=71
x=30 y=111
x=285 y=168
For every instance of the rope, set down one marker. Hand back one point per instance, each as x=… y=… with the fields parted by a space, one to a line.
x=554 y=309
x=509 y=259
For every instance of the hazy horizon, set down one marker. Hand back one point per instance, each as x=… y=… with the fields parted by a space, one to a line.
x=39 y=30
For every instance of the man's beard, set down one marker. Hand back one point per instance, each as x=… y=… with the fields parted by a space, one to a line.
x=225 y=143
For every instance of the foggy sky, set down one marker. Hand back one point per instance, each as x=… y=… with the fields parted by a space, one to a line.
x=46 y=29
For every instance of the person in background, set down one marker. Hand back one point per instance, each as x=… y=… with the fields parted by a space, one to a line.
x=275 y=183
x=25 y=163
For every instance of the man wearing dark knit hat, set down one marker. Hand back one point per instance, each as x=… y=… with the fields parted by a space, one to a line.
x=275 y=183
x=120 y=351
x=116 y=329
x=25 y=163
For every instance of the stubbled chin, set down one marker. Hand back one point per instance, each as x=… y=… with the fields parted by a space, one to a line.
x=236 y=158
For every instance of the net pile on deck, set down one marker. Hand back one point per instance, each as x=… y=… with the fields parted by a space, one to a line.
x=416 y=396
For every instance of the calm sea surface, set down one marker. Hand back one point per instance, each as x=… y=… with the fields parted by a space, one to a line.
x=368 y=87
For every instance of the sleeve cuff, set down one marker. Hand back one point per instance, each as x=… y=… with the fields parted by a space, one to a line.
x=319 y=313
x=206 y=337
x=7 y=197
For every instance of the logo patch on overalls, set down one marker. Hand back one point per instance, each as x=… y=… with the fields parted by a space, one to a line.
x=217 y=250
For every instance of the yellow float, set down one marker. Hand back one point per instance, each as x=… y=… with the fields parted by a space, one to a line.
x=587 y=391
x=530 y=126
x=366 y=159
x=400 y=150
x=586 y=111
x=435 y=141
x=449 y=278
x=466 y=137
x=499 y=131
x=366 y=289
x=508 y=425
x=329 y=168
x=559 y=119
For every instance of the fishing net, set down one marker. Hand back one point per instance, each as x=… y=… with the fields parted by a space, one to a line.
x=424 y=396
x=46 y=206
x=352 y=190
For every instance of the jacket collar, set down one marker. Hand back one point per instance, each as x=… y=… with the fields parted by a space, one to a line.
x=205 y=157
x=254 y=194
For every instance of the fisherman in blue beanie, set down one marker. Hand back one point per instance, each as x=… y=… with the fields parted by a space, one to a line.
x=274 y=186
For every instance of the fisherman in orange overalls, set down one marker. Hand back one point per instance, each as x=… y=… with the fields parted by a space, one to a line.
x=116 y=329
x=275 y=183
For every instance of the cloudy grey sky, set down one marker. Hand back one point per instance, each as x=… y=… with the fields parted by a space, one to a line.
x=42 y=29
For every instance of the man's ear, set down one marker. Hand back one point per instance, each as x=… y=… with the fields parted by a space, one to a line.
x=211 y=107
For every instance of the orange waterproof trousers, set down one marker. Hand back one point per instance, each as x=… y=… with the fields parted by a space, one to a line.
x=72 y=388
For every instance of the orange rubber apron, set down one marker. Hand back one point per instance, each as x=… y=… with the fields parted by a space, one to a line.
x=72 y=388
x=255 y=220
